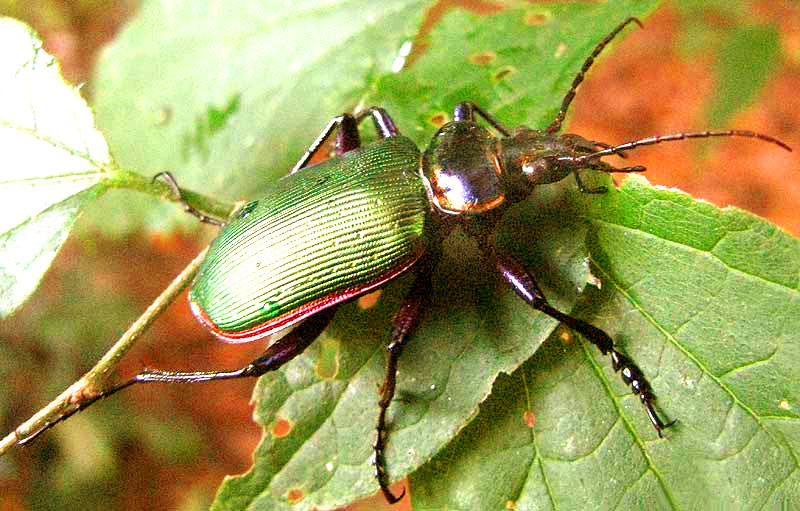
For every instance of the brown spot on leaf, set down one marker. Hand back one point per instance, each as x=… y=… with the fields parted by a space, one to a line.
x=369 y=300
x=438 y=119
x=483 y=59
x=529 y=418
x=295 y=495
x=535 y=18
x=502 y=73
x=327 y=365
x=281 y=428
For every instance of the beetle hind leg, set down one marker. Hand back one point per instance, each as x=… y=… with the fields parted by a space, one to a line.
x=275 y=356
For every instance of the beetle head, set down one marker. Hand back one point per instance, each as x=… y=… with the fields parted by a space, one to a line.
x=533 y=157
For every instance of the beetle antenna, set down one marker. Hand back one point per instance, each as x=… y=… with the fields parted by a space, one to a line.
x=671 y=137
x=555 y=126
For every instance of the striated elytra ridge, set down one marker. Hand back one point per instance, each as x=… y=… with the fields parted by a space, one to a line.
x=316 y=238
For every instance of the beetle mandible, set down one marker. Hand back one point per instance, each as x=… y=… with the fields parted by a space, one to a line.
x=330 y=232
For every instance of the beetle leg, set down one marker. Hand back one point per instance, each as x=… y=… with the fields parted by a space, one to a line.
x=584 y=189
x=384 y=125
x=275 y=356
x=173 y=184
x=526 y=287
x=347 y=137
x=467 y=111
x=404 y=322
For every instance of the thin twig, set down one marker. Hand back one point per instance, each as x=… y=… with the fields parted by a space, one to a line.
x=93 y=381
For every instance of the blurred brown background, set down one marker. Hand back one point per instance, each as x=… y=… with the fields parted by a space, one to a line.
x=169 y=447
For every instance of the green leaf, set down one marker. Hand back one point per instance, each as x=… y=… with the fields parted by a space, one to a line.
x=228 y=96
x=707 y=302
x=319 y=421
x=53 y=162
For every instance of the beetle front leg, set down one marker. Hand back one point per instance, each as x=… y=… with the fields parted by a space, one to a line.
x=347 y=138
x=526 y=287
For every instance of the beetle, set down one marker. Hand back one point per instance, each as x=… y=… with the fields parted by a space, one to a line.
x=330 y=232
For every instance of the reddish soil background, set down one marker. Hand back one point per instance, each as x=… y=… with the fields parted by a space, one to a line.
x=642 y=88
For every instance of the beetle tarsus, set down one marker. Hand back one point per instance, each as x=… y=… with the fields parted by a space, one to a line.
x=77 y=406
x=634 y=377
x=387 y=393
x=379 y=462
x=390 y=497
x=380 y=468
x=170 y=180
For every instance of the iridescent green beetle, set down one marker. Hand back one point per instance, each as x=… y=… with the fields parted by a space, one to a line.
x=331 y=232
